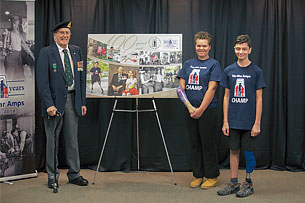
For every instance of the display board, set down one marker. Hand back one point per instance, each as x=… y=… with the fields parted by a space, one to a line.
x=17 y=95
x=133 y=65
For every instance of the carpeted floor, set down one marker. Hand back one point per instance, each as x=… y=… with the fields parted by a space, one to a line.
x=142 y=187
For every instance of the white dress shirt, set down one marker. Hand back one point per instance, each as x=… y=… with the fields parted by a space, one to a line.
x=61 y=53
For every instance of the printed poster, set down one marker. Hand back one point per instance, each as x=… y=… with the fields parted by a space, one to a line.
x=133 y=65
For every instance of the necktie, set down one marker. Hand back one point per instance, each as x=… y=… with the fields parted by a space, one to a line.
x=68 y=70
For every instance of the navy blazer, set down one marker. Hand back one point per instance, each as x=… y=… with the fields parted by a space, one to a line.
x=51 y=79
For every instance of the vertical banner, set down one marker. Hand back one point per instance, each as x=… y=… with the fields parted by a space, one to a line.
x=133 y=65
x=17 y=93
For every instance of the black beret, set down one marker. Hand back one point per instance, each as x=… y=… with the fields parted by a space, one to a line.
x=66 y=24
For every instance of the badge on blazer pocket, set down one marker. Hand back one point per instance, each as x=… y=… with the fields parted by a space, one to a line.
x=54 y=67
x=80 y=66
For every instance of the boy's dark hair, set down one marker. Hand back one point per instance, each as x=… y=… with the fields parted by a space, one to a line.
x=203 y=35
x=243 y=39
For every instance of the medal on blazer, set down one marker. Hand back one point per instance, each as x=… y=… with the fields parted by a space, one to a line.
x=80 y=66
x=54 y=67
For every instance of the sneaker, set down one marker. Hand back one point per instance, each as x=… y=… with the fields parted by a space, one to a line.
x=209 y=183
x=246 y=190
x=196 y=183
x=230 y=188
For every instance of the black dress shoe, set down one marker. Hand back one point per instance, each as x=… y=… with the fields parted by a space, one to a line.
x=51 y=184
x=79 y=181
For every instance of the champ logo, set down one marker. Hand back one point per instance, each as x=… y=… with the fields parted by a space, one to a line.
x=239 y=90
x=194 y=77
x=3 y=87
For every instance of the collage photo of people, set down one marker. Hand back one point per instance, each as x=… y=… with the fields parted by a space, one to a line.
x=112 y=73
x=17 y=152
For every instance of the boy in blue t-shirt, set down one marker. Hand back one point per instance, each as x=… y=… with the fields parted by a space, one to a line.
x=242 y=110
x=199 y=78
x=96 y=75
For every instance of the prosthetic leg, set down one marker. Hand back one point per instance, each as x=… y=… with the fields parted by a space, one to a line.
x=250 y=162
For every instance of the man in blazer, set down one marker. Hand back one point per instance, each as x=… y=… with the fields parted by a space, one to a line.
x=118 y=82
x=61 y=82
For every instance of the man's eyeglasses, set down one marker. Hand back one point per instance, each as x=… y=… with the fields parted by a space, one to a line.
x=64 y=32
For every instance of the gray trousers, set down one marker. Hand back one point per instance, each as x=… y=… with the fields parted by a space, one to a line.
x=69 y=124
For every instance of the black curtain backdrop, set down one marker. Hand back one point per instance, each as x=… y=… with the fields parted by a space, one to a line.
x=277 y=30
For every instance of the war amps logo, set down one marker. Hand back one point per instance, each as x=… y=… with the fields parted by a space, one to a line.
x=3 y=87
x=170 y=44
x=11 y=96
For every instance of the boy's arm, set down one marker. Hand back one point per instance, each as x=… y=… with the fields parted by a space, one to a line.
x=256 y=129
x=225 y=126
x=208 y=97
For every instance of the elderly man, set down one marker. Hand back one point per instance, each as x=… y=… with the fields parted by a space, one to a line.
x=118 y=82
x=61 y=81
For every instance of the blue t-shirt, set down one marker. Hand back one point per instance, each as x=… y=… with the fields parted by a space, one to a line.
x=95 y=70
x=197 y=75
x=243 y=83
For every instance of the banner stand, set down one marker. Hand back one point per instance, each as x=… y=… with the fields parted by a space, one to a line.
x=17 y=90
x=23 y=176
x=138 y=143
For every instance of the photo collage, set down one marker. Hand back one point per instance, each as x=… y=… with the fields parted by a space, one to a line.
x=113 y=71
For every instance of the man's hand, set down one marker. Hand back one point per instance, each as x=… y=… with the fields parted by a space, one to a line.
x=256 y=129
x=225 y=128
x=84 y=110
x=51 y=111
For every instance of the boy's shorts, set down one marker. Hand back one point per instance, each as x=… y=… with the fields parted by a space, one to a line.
x=241 y=139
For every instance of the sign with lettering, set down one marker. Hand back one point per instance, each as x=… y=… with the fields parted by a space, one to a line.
x=133 y=65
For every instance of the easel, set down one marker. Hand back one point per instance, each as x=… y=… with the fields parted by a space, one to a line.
x=137 y=111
